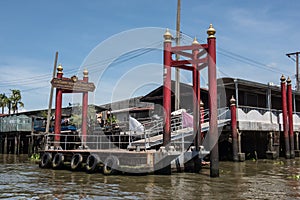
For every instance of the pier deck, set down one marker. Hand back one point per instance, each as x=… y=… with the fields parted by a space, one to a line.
x=120 y=160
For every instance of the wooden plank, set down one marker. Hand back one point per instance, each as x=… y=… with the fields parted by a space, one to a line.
x=69 y=85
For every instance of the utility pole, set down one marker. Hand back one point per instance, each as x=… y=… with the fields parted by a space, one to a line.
x=51 y=95
x=177 y=70
x=297 y=68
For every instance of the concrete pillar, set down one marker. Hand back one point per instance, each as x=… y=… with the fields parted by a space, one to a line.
x=236 y=86
x=16 y=145
x=297 y=151
x=5 y=145
x=241 y=155
x=1 y=145
x=271 y=153
x=30 y=146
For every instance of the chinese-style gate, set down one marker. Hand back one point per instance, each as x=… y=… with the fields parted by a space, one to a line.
x=71 y=85
x=201 y=56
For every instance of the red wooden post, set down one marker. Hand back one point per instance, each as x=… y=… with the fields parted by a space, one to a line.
x=284 y=118
x=234 y=129
x=58 y=107
x=213 y=110
x=196 y=97
x=167 y=88
x=84 y=109
x=290 y=115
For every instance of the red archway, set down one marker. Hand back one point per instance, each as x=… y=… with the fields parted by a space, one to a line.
x=71 y=85
x=201 y=56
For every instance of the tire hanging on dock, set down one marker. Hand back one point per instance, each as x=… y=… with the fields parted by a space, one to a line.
x=46 y=160
x=111 y=164
x=58 y=161
x=76 y=161
x=92 y=162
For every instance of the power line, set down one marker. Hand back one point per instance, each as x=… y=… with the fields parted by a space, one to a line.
x=246 y=60
x=95 y=65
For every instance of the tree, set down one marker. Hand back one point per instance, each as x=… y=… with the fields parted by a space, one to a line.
x=3 y=101
x=15 y=99
x=76 y=118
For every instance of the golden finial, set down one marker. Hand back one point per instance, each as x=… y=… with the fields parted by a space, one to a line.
x=282 y=78
x=85 y=73
x=168 y=36
x=195 y=41
x=211 y=31
x=232 y=101
x=289 y=81
x=59 y=69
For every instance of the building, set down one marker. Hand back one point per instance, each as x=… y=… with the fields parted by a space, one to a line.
x=259 y=115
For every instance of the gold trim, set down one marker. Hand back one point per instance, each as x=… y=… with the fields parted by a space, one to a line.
x=168 y=36
x=85 y=73
x=211 y=31
x=60 y=69
x=282 y=78
x=289 y=81
x=195 y=41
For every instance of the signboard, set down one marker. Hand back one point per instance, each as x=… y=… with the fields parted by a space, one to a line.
x=71 y=85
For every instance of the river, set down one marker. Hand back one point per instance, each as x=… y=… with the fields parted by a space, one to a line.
x=21 y=178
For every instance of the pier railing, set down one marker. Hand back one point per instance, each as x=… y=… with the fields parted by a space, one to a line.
x=182 y=136
x=96 y=141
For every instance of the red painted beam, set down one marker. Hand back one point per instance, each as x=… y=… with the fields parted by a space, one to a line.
x=185 y=67
x=58 y=108
x=234 y=129
x=290 y=116
x=182 y=53
x=202 y=66
x=189 y=47
x=202 y=53
x=176 y=63
x=196 y=100
x=284 y=118
x=167 y=89
x=213 y=110
x=84 y=109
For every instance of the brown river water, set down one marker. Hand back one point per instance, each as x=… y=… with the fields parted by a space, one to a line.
x=21 y=178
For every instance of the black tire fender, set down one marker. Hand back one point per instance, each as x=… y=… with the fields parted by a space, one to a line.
x=58 y=161
x=46 y=160
x=92 y=162
x=111 y=165
x=76 y=161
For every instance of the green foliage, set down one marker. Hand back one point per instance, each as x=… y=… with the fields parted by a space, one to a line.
x=44 y=114
x=112 y=119
x=35 y=157
x=76 y=119
x=15 y=99
x=4 y=101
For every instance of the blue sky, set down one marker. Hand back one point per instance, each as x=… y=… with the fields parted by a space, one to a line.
x=252 y=40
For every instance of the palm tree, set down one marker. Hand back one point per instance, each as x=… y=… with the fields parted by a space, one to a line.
x=3 y=101
x=15 y=99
